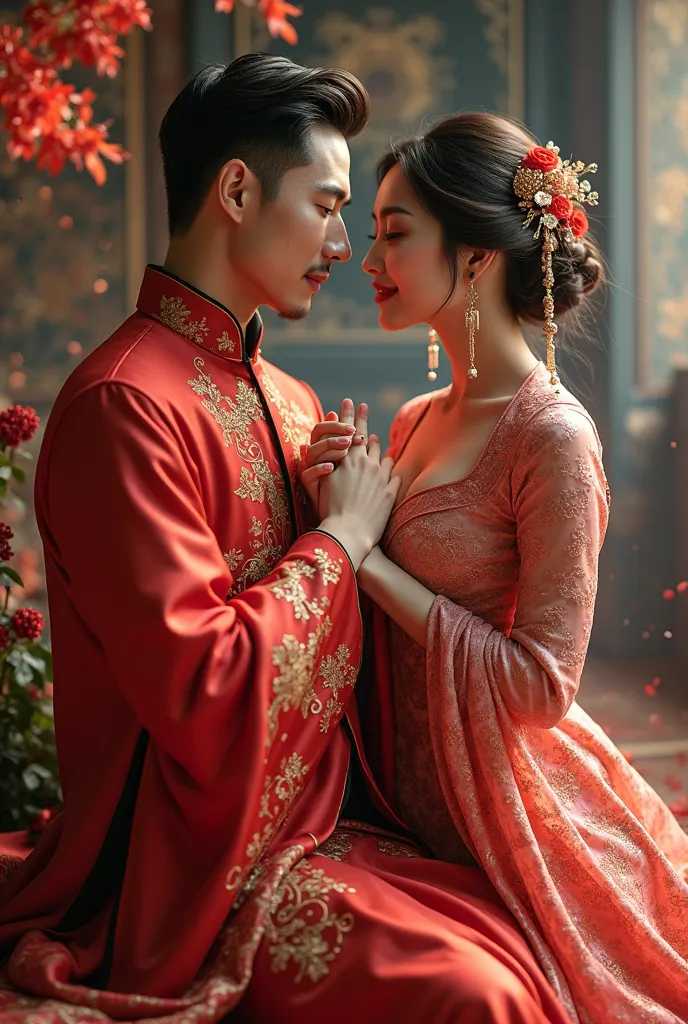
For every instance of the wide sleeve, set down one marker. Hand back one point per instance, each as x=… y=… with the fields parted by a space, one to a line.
x=559 y=502
x=215 y=682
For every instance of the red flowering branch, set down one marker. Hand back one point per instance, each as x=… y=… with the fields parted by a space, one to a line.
x=45 y=117
x=275 y=13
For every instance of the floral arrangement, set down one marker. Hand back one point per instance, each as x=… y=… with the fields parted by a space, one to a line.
x=47 y=118
x=29 y=788
x=547 y=188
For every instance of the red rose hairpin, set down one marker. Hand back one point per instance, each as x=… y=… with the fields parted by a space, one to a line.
x=548 y=188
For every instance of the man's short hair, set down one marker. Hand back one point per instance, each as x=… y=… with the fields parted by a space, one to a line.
x=260 y=109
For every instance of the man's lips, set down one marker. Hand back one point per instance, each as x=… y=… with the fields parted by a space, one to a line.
x=315 y=280
x=384 y=292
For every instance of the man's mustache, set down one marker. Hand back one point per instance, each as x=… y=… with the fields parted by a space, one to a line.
x=322 y=268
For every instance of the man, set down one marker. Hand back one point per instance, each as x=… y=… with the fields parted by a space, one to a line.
x=219 y=640
x=205 y=646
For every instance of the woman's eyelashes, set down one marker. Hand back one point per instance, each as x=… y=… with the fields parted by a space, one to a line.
x=388 y=237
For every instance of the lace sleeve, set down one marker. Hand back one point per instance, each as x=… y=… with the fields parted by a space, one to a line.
x=560 y=501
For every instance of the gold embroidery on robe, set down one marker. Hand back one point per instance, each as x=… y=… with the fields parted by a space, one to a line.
x=296 y=425
x=303 y=930
x=291 y=589
x=174 y=314
x=337 y=846
x=395 y=849
x=284 y=789
x=225 y=343
x=293 y=686
x=257 y=483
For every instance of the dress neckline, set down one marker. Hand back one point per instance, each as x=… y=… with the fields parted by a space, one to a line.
x=483 y=454
x=530 y=384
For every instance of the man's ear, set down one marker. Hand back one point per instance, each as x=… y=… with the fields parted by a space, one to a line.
x=238 y=190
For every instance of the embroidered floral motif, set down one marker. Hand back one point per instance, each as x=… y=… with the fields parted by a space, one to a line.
x=337 y=846
x=336 y=673
x=277 y=798
x=580 y=542
x=293 y=686
x=257 y=482
x=233 y=558
x=569 y=503
x=395 y=849
x=174 y=314
x=225 y=343
x=296 y=425
x=568 y=585
x=291 y=589
x=303 y=930
x=330 y=570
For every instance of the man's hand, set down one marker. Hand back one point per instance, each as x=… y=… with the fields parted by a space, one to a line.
x=331 y=440
x=355 y=503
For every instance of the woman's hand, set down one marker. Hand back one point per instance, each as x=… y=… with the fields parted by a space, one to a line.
x=330 y=441
x=356 y=501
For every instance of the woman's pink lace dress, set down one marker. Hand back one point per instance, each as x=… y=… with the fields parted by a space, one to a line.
x=494 y=759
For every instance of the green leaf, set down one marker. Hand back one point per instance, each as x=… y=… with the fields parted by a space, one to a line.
x=9 y=576
x=40 y=651
x=34 y=662
x=30 y=779
x=19 y=474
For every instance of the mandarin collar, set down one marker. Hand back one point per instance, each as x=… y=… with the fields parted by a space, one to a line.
x=197 y=316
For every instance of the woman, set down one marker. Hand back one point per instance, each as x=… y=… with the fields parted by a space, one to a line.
x=487 y=575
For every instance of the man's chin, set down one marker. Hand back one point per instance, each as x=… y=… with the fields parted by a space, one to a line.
x=294 y=312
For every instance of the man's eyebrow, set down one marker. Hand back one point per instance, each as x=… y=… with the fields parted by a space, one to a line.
x=334 y=190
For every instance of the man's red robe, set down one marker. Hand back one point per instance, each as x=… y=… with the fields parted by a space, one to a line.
x=205 y=650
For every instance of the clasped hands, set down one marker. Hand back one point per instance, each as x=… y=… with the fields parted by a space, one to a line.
x=354 y=503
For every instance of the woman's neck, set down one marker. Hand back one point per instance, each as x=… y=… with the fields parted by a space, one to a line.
x=503 y=358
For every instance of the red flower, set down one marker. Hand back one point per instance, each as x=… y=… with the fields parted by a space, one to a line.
x=539 y=158
x=33 y=691
x=27 y=623
x=4 y=638
x=561 y=207
x=17 y=424
x=578 y=223
x=5 y=537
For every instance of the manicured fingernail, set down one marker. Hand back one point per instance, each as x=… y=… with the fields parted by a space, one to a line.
x=343 y=442
x=350 y=428
x=327 y=467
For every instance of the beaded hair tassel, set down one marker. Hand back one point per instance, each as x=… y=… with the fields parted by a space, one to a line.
x=547 y=188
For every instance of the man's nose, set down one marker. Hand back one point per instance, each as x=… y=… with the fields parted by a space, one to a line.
x=337 y=245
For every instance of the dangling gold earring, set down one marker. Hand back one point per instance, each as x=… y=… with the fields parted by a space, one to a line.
x=433 y=354
x=472 y=324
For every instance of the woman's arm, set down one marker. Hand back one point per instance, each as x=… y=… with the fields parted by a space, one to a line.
x=401 y=596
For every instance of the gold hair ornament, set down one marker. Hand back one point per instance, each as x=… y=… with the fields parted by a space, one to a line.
x=547 y=188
